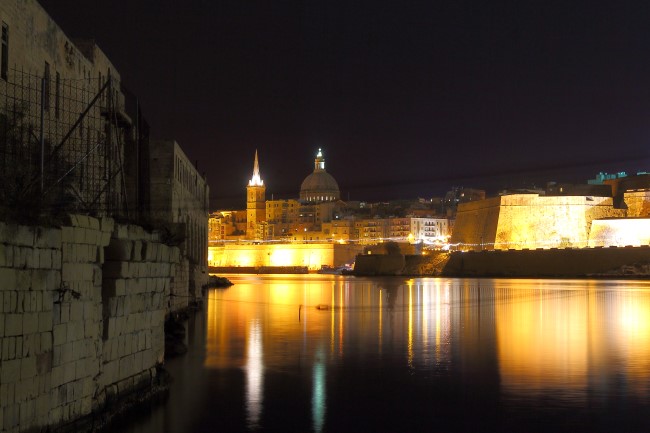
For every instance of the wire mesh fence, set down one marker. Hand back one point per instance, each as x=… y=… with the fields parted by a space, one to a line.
x=61 y=145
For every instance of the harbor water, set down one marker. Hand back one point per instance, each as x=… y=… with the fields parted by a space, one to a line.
x=325 y=353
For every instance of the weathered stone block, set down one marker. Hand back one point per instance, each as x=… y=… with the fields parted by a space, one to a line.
x=30 y=323
x=10 y=372
x=164 y=256
x=28 y=367
x=126 y=368
x=110 y=372
x=11 y=415
x=79 y=235
x=13 y=324
x=76 y=312
x=91 y=329
x=93 y=237
x=46 y=341
x=175 y=254
x=3 y=257
x=48 y=238
x=8 y=348
x=24 y=236
x=27 y=256
x=121 y=231
x=23 y=279
x=7 y=393
x=60 y=334
x=67 y=235
x=69 y=372
x=82 y=221
x=150 y=251
x=75 y=331
x=107 y=225
x=8 y=279
x=137 y=251
x=44 y=258
x=45 y=321
x=93 y=223
x=27 y=412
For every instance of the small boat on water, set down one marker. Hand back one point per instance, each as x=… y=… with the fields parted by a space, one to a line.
x=345 y=269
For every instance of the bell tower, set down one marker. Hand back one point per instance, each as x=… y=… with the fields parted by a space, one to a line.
x=255 y=203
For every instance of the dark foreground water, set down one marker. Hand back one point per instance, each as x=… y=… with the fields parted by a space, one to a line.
x=313 y=353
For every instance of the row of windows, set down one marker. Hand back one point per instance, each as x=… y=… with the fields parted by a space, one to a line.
x=188 y=177
x=4 y=51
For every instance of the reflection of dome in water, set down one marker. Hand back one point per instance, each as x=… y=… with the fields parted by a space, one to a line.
x=320 y=185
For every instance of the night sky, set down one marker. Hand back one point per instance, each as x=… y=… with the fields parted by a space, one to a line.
x=406 y=98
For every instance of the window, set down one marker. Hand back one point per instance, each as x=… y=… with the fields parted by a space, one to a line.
x=46 y=87
x=4 y=55
x=57 y=91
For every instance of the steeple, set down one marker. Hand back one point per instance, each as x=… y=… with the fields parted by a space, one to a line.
x=319 y=162
x=256 y=180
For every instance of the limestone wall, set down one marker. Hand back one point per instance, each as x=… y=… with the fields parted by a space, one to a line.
x=82 y=309
x=638 y=203
x=531 y=221
x=620 y=232
x=135 y=296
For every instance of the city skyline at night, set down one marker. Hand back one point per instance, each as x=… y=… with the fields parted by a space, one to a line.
x=423 y=96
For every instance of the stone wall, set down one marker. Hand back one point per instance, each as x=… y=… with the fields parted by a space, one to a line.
x=136 y=288
x=82 y=310
x=620 y=232
x=530 y=221
x=312 y=255
x=556 y=263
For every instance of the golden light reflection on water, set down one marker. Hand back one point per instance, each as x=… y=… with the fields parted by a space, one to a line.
x=567 y=342
x=527 y=338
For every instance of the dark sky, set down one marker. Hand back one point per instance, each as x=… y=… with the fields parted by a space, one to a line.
x=406 y=98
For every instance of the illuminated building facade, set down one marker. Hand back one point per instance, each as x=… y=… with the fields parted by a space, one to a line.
x=255 y=204
x=529 y=221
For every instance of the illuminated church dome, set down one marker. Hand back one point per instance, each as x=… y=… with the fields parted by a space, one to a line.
x=320 y=185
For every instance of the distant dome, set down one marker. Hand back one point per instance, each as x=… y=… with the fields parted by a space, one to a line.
x=320 y=185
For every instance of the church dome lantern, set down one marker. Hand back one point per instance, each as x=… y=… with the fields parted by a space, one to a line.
x=319 y=186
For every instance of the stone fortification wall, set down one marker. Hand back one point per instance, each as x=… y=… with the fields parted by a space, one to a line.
x=549 y=262
x=620 y=232
x=312 y=255
x=637 y=203
x=561 y=263
x=136 y=288
x=81 y=318
x=375 y=264
x=180 y=286
x=531 y=221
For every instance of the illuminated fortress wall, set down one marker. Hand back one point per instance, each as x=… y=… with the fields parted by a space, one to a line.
x=620 y=232
x=638 y=203
x=314 y=256
x=531 y=221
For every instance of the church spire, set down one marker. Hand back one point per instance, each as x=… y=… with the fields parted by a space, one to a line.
x=256 y=180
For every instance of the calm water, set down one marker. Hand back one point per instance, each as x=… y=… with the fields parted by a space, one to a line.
x=412 y=355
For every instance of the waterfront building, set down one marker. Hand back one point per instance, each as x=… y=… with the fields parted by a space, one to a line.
x=529 y=221
x=70 y=91
x=179 y=203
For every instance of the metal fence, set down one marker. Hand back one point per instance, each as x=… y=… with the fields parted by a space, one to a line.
x=62 y=144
